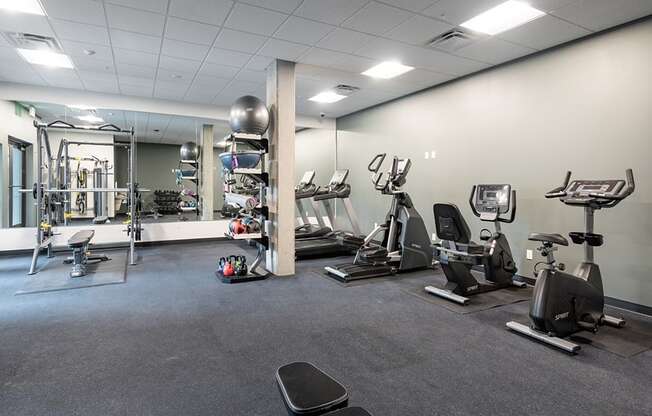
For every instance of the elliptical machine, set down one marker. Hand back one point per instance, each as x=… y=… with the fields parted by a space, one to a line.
x=405 y=244
x=563 y=303
x=458 y=254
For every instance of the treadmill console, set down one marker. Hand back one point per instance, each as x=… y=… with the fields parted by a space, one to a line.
x=338 y=178
x=307 y=178
x=579 y=191
x=492 y=200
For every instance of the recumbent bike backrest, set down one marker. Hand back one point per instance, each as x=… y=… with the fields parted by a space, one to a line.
x=450 y=224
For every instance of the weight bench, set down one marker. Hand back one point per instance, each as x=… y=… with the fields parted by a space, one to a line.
x=79 y=243
x=307 y=390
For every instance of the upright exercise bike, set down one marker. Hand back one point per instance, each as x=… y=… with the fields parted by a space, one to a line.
x=458 y=254
x=563 y=303
x=405 y=244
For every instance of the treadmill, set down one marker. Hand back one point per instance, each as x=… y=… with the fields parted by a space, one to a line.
x=336 y=242
x=306 y=189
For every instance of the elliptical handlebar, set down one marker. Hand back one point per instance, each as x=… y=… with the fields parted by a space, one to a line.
x=624 y=193
x=512 y=214
x=471 y=204
x=376 y=162
x=561 y=190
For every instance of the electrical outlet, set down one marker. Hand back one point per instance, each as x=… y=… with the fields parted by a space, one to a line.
x=433 y=154
x=433 y=237
x=529 y=254
x=426 y=155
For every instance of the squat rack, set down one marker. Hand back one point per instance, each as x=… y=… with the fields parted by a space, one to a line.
x=44 y=235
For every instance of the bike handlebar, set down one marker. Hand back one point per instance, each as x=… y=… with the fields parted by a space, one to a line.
x=561 y=190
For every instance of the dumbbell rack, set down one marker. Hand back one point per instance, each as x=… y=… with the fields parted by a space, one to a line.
x=261 y=212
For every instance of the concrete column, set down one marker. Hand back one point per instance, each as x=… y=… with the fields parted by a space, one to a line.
x=280 y=197
x=207 y=188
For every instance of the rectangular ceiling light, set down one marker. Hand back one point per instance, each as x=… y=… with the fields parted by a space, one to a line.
x=503 y=17
x=91 y=119
x=22 y=6
x=387 y=70
x=327 y=97
x=45 y=57
x=82 y=107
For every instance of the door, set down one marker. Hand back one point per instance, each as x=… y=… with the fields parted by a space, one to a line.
x=17 y=181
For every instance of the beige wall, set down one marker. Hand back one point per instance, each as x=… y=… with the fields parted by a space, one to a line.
x=586 y=107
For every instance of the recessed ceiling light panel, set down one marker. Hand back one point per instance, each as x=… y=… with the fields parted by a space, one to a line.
x=90 y=118
x=387 y=70
x=22 y=6
x=503 y=17
x=327 y=97
x=46 y=58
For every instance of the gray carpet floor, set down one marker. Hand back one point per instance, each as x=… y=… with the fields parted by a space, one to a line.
x=174 y=340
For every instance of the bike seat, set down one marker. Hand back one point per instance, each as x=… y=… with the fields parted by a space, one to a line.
x=549 y=238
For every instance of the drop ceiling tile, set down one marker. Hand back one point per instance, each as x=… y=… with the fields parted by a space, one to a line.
x=103 y=53
x=63 y=78
x=250 y=75
x=377 y=18
x=136 y=70
x=25 y=23
x=210 y=84
x=19 y=71
x=217 y=70
x=549 y=5
x=285 y=6
x=185 y=66
x=199 y=97
x=254 y=19
x=412 y=5
x=188 y=31
x=169 y=93
x=184 y=49
x=132 y=20
x=91 y=63
x=109 y=87
x=456 y=11
x=78 y=31
x=418 y=30
x=259 y=63
x=125 y=56
x=338 y=60
x=494 y=51
x=9 y=54
x=601 y=14
x=226 y=57
x=138 y=90
x=135 y=41
x=146 y=83
x=297 y=29
x=333 y=11
x=544 y=32
x=83 y=11
x=89 y=76
x=382 y=50
x=345 y=40
x=207 y=11
x=171 y=76
x=283 y=50
x=239 y=41
x=156 y=6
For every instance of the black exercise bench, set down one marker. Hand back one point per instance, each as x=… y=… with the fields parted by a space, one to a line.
x=79 y=243
x=307 y=390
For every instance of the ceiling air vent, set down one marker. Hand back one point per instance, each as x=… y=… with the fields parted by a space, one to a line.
x=31 y=41
x=452 y=40
x=345 y=89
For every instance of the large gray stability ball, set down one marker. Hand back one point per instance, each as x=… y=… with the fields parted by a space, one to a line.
x=189 y=151
x=249 y=115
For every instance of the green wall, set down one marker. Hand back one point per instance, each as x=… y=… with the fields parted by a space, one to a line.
x=585 y=107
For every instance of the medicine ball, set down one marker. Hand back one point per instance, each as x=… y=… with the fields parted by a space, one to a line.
x=249 y=115
x=189 y=151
